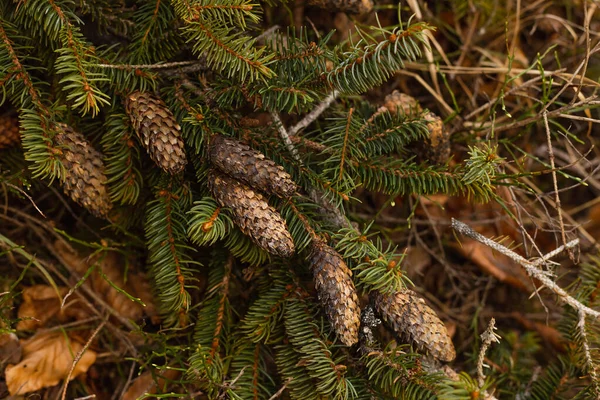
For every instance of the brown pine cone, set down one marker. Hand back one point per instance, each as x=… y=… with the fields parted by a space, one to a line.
x=413 y=320
x=84 y=181
x=9 y=132
x=158 y=131
x=252 y=214
x=333 y=280
x=358 y=7
x=437 y=148
x=397 y=102
x=245 y=164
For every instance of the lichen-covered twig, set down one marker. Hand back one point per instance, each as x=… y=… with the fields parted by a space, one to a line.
x=530 y=266
x=487 y=337
x=314 y=114
x=589 y=361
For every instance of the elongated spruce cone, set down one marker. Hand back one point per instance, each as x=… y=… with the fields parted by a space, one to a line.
x=84 y=181
x=413 y=320
x=358 y=7
x=158 y=131
x=9 y=132
x=252 y=214
x=333 y=281
x=437 y=148
x=245 y=164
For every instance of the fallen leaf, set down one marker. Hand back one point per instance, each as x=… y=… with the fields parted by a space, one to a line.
x=10 y=349
x=47 y=359
x=111 y=264
x=495 y=264
x=40 y=304
x=147 y=384
x=549 y=334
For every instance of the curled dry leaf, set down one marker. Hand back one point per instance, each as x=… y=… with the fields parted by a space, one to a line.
x=40 y=304
x=149 y=383
x=47 y=359
x=497 y=265
x=111 y=265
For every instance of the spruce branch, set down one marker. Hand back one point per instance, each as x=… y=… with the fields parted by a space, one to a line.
x=370 y=62
x=531 y=266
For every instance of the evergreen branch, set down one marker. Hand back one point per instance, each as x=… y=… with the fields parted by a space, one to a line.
x=261 y=321
x=122 y=160
x=345 y=145
x=214 y=317
x=248 y=365
x=75 y=58
x=223 y=47
x=244 y=249
x=207 y=224
x=306 y=338
x=156 y=37
x=18 y=71
x=374 y=268
x=398 y=374
x=293 y=370
x=236 y=11
x=369 y=64
x=165 y=234
x=37 y=120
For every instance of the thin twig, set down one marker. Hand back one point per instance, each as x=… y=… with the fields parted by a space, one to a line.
x=26 y=195
x=280 y=391
x=80 y=354
x=487 y=337
x=314 y=114
x=170 y=65
x=555 y=182
x=530 y=267
x=588 y=355
x=285 y=137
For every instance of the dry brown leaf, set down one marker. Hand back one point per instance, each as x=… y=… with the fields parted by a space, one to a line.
x=40 y=304
x=10 y=349
x=112 y=265
x=549 y=334
x=145 y=384
x=498 y=265
x=47 y=359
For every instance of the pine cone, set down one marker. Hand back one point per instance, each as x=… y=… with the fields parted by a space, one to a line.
x=9 y=132
x=437 y=149
x=333 y=280
x=84 y=179
x=250 y=166
x=252 y=214
x=413 y=320
x=358 y=7
x=158 y=130
x=397 y=102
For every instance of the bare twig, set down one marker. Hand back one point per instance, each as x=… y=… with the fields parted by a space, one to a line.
x=555 y=182
x=80 y=354
x=285 y=137
x=529 y=266
x=589 y=361
x=26 y=195
x=170 y=65
x=314 y=114
x=488 y=337
x=280 y=391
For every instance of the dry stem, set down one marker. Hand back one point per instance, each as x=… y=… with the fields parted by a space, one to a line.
x=530 y=266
